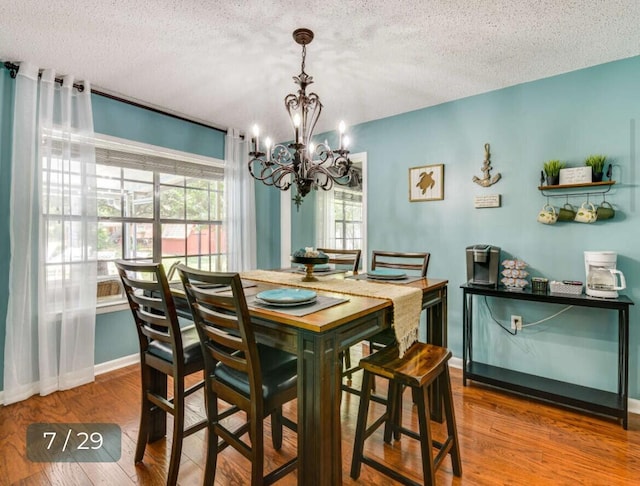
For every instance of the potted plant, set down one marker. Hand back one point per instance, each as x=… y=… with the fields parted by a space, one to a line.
x=596 y=162
x=552 y=171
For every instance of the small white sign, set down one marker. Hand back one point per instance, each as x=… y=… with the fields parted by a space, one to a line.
x=575 y=175
x=489 y=201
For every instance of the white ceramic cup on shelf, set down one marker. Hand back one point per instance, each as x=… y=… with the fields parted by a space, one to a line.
x=586 y=214
x=547 y=215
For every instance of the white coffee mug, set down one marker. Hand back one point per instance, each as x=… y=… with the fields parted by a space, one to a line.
x=547 y=215
x=586 y=214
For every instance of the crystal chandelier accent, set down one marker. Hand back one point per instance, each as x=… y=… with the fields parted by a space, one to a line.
x=302 y=163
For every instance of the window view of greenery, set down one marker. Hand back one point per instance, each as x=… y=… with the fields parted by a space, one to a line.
x=348 y=218
x=151 y=216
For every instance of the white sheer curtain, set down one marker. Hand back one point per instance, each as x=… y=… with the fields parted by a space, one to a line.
x=325 y=220
x=51 y=311
x=241 y=206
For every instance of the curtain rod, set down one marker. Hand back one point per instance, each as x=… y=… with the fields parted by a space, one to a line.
x=13 y=72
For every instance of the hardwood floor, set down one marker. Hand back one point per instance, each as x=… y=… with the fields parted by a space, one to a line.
x=504 y=440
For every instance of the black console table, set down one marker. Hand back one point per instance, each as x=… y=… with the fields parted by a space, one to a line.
x=591 y=399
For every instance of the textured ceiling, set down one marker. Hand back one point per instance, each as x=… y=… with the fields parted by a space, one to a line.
x=230 y=63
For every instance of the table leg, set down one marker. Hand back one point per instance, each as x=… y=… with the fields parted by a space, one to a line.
x=623 y=365
x=437 y=334
x=467 y=339
x=319 y=433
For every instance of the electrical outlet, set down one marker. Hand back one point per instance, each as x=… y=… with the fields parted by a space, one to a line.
x=516 y=322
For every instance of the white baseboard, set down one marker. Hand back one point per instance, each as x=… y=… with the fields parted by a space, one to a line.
x=455 y=362
x=115 y=364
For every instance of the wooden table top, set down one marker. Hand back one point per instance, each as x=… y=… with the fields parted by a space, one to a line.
x=331 y=317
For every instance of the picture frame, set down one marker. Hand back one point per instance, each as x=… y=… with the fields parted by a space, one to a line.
x=426 y=183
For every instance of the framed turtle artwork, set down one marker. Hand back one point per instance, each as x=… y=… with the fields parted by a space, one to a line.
x=426 y=183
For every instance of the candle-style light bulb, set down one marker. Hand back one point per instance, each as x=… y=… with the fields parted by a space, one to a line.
x=346 y=141
x=267 y=144
x=256 y=134
x=341 y=129
x=296 y=124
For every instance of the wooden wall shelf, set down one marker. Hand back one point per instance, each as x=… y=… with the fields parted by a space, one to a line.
x=575 y=186
x=588 y=188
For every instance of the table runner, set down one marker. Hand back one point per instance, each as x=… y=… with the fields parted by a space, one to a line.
x=407 y=301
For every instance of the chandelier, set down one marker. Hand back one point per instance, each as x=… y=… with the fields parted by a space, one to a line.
x=302 y=163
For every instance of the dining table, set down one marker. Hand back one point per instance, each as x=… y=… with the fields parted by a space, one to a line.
x=318 y=339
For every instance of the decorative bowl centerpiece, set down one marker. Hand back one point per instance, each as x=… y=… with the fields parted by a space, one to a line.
x=309 y=257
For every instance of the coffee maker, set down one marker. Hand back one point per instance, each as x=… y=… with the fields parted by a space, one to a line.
x=483 y=264
x=603 y=280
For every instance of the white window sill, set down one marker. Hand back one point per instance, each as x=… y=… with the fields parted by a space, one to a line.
x=112 y=306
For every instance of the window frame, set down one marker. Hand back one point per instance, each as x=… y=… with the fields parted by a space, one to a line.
x=344 y=222
x=209 y=165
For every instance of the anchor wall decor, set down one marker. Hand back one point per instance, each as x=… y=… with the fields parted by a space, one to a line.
x=487 y=180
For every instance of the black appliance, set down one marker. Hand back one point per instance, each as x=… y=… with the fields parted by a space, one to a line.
x=483 y=265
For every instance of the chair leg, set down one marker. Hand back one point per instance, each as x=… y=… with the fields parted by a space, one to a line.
x=347 y=362
x=145 y=414
x=211 y=403
x=361 y=427
x=178 y=431
x=393 y=402
x=276 y=428
x=143 y=429
x=155 y=382
x=426 y=444
x=452 y=430
x=256 y=434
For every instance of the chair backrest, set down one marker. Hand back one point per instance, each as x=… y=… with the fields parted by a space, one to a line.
x=399 y=260
x=223 y=322
x=151 y=302
x=344 y=257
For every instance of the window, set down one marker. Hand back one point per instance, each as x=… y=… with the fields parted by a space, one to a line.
x=341 y=213
x=347 y=207
x=152 y=207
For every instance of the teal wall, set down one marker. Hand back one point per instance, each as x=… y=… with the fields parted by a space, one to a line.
x=115 y=333
x=111 y=117
x=568 y=117
x=267 y=226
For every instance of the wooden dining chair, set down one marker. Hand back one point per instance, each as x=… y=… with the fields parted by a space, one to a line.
x=401 y=260
x=412 y=262
x=165 y=350
x=255 y=379
x=416 y=262
x=349 y=259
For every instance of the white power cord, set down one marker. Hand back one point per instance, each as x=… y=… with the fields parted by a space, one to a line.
x=547 y=318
